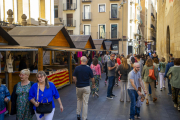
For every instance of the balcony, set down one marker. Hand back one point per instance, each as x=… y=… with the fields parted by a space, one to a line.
x=131 y=17
x=86 y=16
x=69 y=23
x=113 y=35
x=137 y=2
x=131 y=2
x=69 y=6
x=85 y=1
x=113 y=15
x=101 y=35
x=87 y=33
x=152 y=27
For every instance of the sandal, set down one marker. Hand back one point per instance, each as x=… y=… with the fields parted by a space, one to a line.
x=147 y=102
x=154 y=99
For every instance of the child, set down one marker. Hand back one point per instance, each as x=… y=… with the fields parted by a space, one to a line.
x=4 y=98
x=138 y=105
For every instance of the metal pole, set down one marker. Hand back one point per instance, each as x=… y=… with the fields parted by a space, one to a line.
x=122 y=28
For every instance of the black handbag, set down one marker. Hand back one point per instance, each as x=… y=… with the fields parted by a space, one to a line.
x=43 y=108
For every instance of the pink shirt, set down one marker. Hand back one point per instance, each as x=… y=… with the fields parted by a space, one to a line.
x=97 y=69
x=4 y=110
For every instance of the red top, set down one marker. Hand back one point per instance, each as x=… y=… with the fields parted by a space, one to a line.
x=118 y=61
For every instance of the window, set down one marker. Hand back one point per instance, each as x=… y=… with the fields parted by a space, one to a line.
x=102 y=8
x=114 y=31
x=86 y=12
x=86 y=29
x=114 y=10
x=70 y=32
x=55 y=11
x=102 y=33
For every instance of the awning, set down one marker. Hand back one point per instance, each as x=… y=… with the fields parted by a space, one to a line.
x=99 y=44
x=17 y=48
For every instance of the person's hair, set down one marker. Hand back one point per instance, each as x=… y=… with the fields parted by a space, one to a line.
x=149 y=62
x=135 y=64
x=95 y=61
x=142 y=96
x=128 y=56
x=95 y=56
x=124 y=63
x=138 y=56
x=177 y=61
x=83 y=59
x=171 y=55
x=112 y=54
x=118 y=56
x=172 y=59
x=42 y=73
x=25 y=71
x=156 y=60
x=162 y=59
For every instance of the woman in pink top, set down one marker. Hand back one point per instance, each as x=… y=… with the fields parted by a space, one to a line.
x=97 y=76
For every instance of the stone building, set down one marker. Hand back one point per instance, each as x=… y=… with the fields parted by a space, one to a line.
x=168 y=28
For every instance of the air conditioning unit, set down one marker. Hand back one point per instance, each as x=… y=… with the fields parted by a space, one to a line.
x=131 y=2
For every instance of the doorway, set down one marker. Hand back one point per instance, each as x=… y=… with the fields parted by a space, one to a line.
x=168 y=43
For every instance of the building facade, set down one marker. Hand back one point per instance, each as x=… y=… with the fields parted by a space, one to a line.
x=37 y=11
x=149 y=18
x=168 y=28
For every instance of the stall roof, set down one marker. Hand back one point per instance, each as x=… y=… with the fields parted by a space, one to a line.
x=40 y=36
x=99 y=44
x=83 y=41
x=63 y=49
x=108 y=45
x=5 y=38
x=17 y=48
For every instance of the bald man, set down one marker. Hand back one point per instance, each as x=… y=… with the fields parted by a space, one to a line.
x=134 y=80
x=81 y=76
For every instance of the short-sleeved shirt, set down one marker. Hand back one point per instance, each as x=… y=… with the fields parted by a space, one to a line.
x=111 y=63
x=139 y=102
x=135 y=76
x=83 y=73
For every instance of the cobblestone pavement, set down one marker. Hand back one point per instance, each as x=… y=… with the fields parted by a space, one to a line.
x=104 y=109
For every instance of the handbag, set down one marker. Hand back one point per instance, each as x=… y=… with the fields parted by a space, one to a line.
x=151 y=74
x=43 y=107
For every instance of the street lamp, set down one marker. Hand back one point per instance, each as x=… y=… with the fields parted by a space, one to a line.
x=121 y=5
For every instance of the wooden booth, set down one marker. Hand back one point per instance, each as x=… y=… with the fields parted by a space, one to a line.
x=83 y=42
x=47 y=39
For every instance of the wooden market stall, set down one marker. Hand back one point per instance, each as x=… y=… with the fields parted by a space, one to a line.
x=108 y=45
x=99 y=44
x=44 y=38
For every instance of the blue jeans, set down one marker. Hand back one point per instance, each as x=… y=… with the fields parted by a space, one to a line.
x=110 y=85
x=137 y=111
x=150 y=89
x=169 y=86
x=2 y=116
x=133 y=97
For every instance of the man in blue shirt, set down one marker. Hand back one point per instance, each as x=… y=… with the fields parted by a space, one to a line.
x=166 y=71
x=81 y=77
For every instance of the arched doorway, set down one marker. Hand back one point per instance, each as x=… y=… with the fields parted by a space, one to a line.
x=168 y=43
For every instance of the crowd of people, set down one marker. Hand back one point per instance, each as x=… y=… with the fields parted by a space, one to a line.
x=137 y=76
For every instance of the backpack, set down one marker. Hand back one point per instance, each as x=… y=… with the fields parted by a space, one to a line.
x=93 y=69
x=151 y=73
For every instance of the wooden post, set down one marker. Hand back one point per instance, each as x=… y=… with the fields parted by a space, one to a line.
x=10 y=88
x=70 y=66
x=40 y=59
x=50 y=58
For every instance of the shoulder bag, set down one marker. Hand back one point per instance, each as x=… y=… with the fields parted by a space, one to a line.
x=151 y=73
x=43 y=107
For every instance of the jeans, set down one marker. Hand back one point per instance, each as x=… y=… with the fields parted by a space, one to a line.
x=110 y=85
x=162 y=81
x=133 y=97
x=2 y=116
x=169 y=87
x=137 y=111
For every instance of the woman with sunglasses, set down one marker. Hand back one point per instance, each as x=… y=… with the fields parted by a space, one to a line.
x=43 y=92
x=19 y=98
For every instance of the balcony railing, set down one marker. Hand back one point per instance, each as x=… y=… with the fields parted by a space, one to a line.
x=113 y=35
x=69 y=6
x=87 y=33
x=152 y=15
x=86 y=16
x=131 y=2
x=152 y=26
x=86 y=1
x=114 y=15
x=101 y=35
x=69 y=23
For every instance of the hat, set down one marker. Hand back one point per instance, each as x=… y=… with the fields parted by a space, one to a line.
x=172 y=59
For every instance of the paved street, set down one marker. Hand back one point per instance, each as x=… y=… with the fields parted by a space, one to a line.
x=103 y=109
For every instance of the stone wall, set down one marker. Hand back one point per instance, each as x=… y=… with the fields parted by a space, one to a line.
x=171 y=20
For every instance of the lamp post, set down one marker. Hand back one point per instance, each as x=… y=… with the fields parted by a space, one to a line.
x=121 y=5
